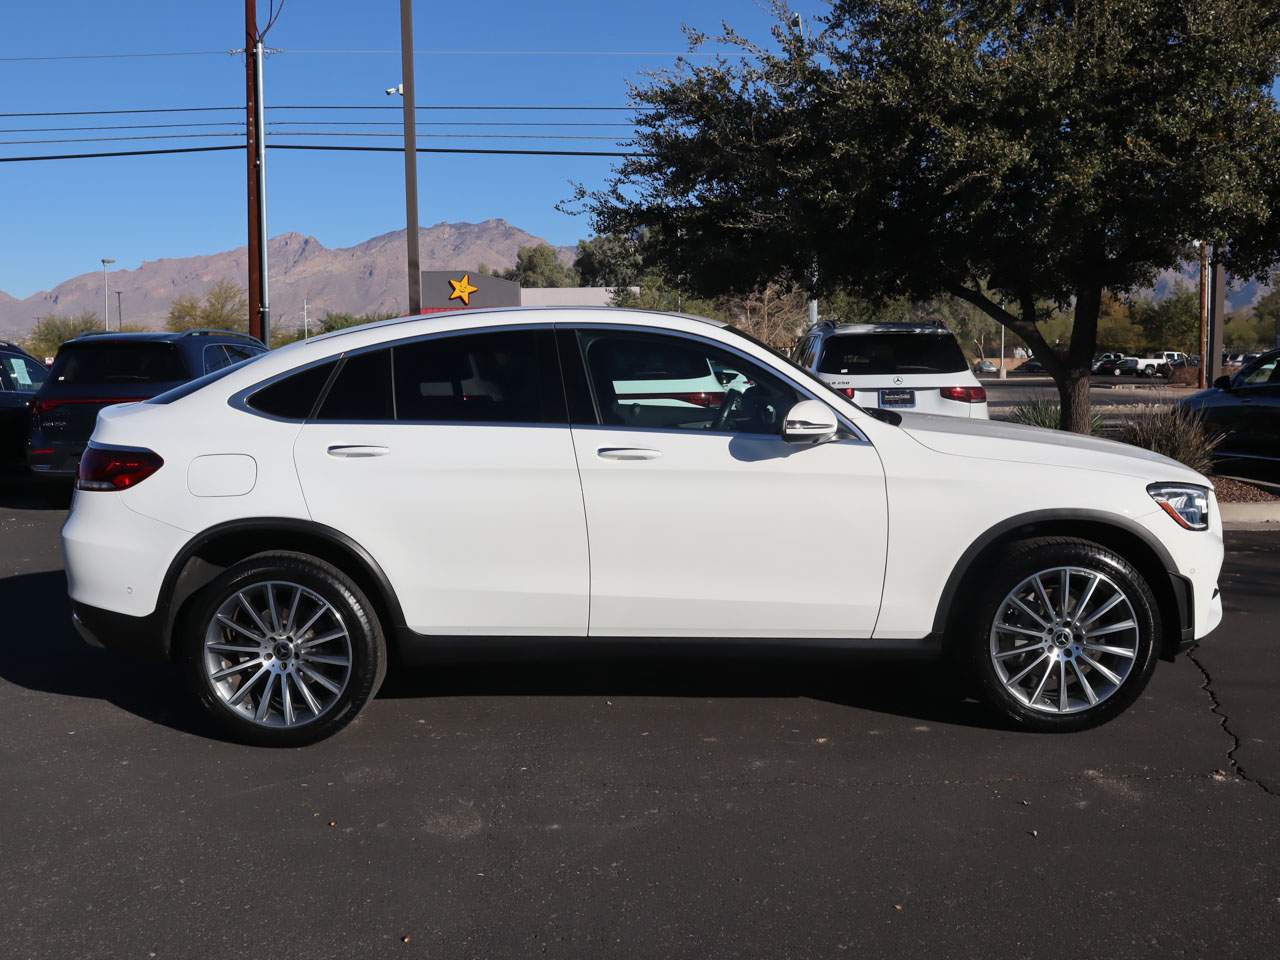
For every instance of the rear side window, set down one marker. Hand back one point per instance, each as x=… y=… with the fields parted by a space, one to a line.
x=362 y=390
x=20 y=374
x=140 y=362
x=294 y=396
x=216 y=357
x=875 y=354
x=508 y=376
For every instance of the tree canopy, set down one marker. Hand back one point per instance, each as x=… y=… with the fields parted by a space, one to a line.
x=540 y=266
x=1022 y=157
x=225 y=306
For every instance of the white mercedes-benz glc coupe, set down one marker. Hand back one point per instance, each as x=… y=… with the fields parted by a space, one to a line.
x=464 y=483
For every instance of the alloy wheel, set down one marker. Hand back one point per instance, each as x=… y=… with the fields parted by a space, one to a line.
x=278 y=654
x=1064 y=639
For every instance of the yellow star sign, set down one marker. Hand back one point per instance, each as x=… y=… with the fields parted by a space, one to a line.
x=462 y=289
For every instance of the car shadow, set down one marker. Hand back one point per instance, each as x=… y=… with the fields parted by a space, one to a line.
x=20 y=491
x=61 y=664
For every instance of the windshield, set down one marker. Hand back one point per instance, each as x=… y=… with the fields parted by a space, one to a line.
x=879 y=354
x=100 y=363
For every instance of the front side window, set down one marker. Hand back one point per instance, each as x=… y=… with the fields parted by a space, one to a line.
x=20 y=374
x=506 y=376
x=666 y=382
x=1262 y=372
x=878 y=354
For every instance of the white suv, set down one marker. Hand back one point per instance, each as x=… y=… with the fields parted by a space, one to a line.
x=895 y=366
x=468 y=482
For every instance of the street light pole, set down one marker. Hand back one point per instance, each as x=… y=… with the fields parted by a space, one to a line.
x=106 y=313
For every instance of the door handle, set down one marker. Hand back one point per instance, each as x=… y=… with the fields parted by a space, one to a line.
x=352 y=450
x=628 y=453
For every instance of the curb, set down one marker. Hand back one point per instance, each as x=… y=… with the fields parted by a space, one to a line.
x=1249 y=513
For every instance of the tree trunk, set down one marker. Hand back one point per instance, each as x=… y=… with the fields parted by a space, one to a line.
x=1073 y=391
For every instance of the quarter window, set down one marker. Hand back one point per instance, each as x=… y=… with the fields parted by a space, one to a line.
x=215 y=358
x=362 y=389
x=663 y=382
x=294 y=396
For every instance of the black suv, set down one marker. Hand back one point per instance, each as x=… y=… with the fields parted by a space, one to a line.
x=21 y=375
x=98 y=369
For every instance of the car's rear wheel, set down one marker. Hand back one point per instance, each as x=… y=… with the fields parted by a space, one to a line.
x=283 y=649
x=1063 y=634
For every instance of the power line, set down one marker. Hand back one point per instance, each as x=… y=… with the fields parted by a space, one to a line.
x=126 y=126
x=156 y=136
x=453 y=107
x=117 y=56
x=435 y=136
x=342 y=148
x=105 y=113
x=452 y=52
x=447 y=123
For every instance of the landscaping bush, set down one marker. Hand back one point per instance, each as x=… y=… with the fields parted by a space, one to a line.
x=1047 y=412
x=1185 y=376
x=1177 y=432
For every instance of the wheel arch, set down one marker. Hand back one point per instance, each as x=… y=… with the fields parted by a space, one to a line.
x=1125 y=537
x=210 y=552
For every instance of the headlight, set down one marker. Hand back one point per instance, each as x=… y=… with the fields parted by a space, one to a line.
x=1187 y=504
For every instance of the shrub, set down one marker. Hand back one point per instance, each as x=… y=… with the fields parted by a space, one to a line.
x=1177 y=432
x=1185 y=376
x=1046 y=412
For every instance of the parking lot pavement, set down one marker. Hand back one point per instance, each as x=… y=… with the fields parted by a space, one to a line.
x=636 y=808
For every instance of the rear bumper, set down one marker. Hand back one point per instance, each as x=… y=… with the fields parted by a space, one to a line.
x=136 y=636
x=55 y=460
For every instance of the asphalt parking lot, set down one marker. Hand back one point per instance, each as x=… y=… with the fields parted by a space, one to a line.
x=635 y=808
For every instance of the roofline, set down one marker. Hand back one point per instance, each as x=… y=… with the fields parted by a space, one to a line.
x=165 y=334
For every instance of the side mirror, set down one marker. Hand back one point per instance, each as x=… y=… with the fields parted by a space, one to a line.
x=1223 y=383
x=809 y=422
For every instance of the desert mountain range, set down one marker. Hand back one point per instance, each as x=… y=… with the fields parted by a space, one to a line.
x=367 y=277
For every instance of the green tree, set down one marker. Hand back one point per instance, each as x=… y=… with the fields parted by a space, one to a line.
x=1173 y=323
x=609 y=260
x=53 y=330
x=1022 y=157
x=225 y=307
x=1266 y=316
x=540 y=266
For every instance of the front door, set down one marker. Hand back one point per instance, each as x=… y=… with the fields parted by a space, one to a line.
x=703 y=522
x=450 y=460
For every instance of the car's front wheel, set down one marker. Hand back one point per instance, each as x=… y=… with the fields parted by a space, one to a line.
x=1063 y=634
x=283 y=649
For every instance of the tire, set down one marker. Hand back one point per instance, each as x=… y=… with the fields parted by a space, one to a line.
x=316 y=678
x=1019 y=665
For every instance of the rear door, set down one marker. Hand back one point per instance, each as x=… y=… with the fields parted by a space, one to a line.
x=449 y=459
x=703 y=522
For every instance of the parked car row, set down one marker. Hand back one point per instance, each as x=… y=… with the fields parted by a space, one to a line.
x=47 y=414
x=1245 y=408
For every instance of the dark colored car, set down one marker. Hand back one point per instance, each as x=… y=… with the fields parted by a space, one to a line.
x=20 y=377
x=96 y=370
x=1245 y=407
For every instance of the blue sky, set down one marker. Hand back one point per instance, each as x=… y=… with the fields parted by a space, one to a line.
x=59 y=218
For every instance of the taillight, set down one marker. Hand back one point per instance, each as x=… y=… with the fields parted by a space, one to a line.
x=848 y=392
x=115 y=468
x=964 y=394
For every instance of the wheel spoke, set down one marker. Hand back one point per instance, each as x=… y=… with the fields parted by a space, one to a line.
x=1043 y=680
x=1084 y=684
x=1103 y=609
x=1063 y=701
x=275 y=612
x=302 y=631
x=1028 y=648
x=1038 y=634
x=1083 y=603
x=253 y=614
x=319 y=658
x=293 y=608
x=1105 y=648
x=1025 y=670
x=248 y=685
x=264 y=702
x=228 y=622
x=231 y=648
x=1114 y=628
x=286 y=699
x=1064 y=601
x=306 y=694
x=323 y=638
x=320 y=679
x=1044 y=624
x=1110 y=675
x=232 y=671
x=1044 y=597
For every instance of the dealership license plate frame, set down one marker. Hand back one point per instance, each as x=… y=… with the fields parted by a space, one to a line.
x=897 y=398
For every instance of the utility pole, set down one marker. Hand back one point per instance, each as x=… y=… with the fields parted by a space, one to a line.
x=256 y=157
x=410 y=156
x=1217 y=319
x=1204 y=314
x=119 y=312
x=106 y=311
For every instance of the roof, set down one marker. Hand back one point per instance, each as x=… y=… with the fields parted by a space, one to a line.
x=161 y=336
x=507 y=310
x=935 y=326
